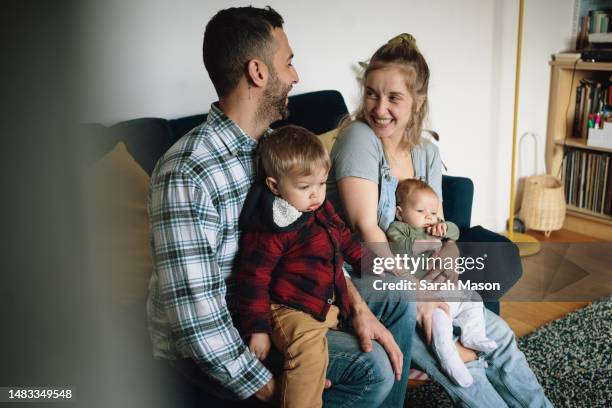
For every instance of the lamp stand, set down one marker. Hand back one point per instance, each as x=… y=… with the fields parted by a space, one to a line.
x=527 y=244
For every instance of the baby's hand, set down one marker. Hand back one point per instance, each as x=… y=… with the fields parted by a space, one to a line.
x=260 y=345
x=437 y=230
x=426 y=245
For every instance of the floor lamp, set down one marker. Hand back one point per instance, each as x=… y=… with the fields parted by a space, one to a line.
x=527 y=244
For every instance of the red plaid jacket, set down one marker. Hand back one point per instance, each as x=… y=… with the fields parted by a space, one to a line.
x=299 y=266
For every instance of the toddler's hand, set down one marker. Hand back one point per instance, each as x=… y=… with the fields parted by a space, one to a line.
x=260 y=345
x=437 y=230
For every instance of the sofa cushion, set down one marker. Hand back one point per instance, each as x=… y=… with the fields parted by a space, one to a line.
x=117 y=190
x=328 y=139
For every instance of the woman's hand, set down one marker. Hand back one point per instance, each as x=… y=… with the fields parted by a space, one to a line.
x=426 y=245
x=465 y=353
x=425 y=309
x=449 y=250
x=260 y=345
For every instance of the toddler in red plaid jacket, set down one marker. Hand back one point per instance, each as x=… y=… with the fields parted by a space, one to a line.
x=291 y=284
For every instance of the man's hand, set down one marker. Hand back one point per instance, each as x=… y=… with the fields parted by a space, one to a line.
x=449 y=250
x=266 y=393
x=437 y=230
x=260 y=345
x=368 y=328
x=425 y=310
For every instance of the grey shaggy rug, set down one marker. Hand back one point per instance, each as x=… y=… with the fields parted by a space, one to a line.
x=571 y=356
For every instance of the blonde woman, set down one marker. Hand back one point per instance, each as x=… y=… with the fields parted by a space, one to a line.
x=382 y=145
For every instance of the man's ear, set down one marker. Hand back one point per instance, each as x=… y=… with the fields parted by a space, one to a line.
x=257 y=72
x=398 y=213
x=272 y=185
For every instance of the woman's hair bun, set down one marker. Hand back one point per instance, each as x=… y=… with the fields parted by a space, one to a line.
x=403 y=39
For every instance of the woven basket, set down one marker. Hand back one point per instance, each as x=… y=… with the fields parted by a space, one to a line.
x=543 y=206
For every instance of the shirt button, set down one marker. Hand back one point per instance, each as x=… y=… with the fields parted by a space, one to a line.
x=330 y=301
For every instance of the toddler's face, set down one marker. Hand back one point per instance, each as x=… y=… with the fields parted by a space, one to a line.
x=304 y=192
x=420 y=210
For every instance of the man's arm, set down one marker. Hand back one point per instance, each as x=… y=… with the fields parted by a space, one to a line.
x=185 y=226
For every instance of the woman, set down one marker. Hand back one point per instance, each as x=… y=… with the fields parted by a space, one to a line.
x=382 y=145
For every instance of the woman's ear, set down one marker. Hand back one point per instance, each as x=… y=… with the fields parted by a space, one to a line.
x=420 y=100
x=398 y=213
x=257 y=72
x=272 y=185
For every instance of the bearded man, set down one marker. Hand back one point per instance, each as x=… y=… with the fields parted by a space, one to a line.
x=197 y=191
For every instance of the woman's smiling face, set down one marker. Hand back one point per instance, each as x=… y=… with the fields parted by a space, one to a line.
x=387 y=102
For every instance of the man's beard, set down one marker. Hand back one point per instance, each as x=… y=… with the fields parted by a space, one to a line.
x=273 y=105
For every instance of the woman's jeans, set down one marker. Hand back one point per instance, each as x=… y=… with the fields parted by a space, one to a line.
x=501 y=378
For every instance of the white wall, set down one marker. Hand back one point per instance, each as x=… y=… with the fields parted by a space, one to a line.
x=146 y=60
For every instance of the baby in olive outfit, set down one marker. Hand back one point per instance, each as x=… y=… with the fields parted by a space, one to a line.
x=418 y=230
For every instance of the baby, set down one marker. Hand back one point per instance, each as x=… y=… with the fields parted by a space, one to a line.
x=290 y=280
x=419 y=230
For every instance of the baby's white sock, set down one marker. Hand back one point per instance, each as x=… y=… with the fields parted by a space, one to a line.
x=483 y=344
x=446 y=351
x=473 y=334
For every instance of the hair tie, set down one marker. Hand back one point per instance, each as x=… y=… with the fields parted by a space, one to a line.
x=404 y=38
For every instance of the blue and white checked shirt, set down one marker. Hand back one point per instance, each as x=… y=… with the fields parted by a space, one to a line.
x=197 y=191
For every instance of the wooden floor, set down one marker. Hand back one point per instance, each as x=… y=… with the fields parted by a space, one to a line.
x=525 y=317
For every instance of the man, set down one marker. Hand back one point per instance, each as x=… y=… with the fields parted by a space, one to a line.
x=197 y=191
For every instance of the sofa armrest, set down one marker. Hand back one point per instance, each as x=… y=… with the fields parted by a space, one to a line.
x=458 y=194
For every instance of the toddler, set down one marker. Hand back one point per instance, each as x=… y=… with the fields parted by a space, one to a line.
x=419 y=230
x=291 y=284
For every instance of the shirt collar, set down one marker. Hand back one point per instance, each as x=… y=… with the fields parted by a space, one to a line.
x=232 y=136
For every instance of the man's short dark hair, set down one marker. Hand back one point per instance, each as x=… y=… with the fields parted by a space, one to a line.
x=232 y=38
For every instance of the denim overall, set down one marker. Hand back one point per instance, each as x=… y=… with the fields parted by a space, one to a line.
x=386 y=201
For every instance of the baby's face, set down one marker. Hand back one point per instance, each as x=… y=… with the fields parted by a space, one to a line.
x=304 y=192
x=420 y=210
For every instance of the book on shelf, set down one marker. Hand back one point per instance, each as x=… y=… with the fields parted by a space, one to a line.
x=576 y=130
x=586 y=108
x=587 y=179
x=593 y=96
x=599 y=21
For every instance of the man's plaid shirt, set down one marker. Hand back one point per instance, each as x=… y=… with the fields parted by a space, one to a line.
x=197 y=191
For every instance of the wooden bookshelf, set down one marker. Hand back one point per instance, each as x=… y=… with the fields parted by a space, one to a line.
x=565 y=77
x=580 y=143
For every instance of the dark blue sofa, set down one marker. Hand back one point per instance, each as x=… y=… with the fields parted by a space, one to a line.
x=146 y=139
